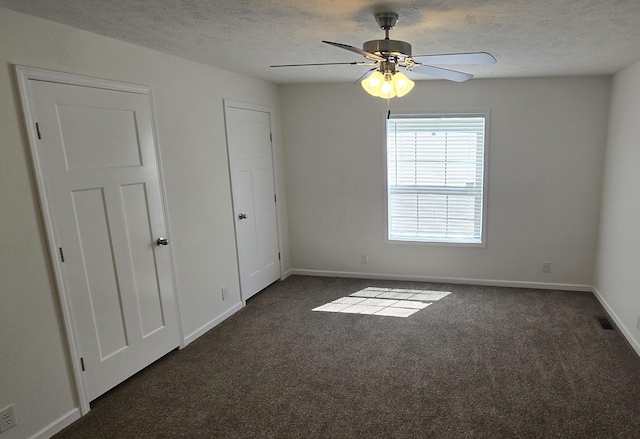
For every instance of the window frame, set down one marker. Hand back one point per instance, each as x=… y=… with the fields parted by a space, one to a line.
x=408 y=114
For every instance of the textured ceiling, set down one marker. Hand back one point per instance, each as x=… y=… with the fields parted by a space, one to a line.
x=528 y=37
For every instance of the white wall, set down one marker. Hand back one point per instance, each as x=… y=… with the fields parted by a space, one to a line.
x=547 y=139
x=33 y=355
x=618 y=260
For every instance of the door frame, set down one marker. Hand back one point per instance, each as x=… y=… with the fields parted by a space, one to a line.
x=228 y=103
x=24 y=75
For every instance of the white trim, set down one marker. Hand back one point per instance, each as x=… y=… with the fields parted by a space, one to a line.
x=635 y=344
x=246 y=106
x=446 y=280
x=286 y=274
x=215 y=322
x=36 y=74
x=58 y=425
x=24 y=75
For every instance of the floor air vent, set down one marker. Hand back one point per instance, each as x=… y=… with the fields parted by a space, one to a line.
x=604 y=322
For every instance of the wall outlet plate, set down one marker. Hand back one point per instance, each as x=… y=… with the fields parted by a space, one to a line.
x=638 y=322
x=7 y=418
x=225 y=293
x=546 y=267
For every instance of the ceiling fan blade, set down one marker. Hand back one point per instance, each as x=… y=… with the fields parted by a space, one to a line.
x=355 y=63
x=457 y=58
x=363 y=75
x=439 y=72
x=367 y=55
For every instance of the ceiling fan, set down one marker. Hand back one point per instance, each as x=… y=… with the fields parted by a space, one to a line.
x=383 y=80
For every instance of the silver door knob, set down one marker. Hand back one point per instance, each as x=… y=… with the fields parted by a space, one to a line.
x=242 y=216
x=162 y=241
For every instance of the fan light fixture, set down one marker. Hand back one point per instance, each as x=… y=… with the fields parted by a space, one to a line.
x=387 y=85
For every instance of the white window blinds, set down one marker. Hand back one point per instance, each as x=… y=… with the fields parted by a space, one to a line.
x=435 y=170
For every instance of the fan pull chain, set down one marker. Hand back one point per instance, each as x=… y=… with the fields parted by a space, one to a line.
x=388 y=108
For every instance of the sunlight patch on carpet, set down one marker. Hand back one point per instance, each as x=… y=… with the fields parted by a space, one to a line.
x=393 y=302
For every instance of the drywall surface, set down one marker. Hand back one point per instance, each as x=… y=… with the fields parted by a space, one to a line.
x=34 y=364
x=546 y=144
x=617 y=276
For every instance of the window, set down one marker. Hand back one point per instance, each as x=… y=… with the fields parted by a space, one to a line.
x=435 y=178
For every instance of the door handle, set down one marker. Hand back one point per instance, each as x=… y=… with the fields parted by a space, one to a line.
x=242 y=216
x=162 y=241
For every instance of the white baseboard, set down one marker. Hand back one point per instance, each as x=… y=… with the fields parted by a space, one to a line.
x=225 y=315
x=635 y=344
x=447 y=280
x=286 y=274
x=58 y=425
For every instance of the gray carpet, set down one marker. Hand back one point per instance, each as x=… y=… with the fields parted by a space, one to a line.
x=481 y=363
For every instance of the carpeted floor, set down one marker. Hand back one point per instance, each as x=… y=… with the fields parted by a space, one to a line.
x=482 y=362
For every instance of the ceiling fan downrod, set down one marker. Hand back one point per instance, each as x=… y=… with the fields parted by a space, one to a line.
x=387 y=21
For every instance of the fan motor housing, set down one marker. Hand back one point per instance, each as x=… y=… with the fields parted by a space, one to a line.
x=387 y=47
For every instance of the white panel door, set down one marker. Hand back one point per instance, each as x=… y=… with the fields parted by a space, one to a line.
x=254 y=203
x=98 y=163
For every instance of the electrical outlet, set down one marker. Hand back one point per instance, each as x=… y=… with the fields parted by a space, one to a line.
x=546 y=267
x=7 y=418
x=638 y=322
x=225 y=293
x=364 y=259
